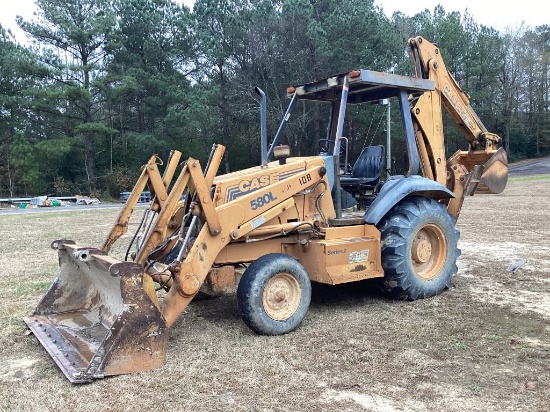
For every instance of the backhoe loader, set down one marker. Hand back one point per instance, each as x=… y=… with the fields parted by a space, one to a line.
x=289 y=221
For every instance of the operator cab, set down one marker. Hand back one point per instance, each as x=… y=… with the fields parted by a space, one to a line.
x=357 y=183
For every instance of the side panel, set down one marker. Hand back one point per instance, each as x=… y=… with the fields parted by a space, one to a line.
x=337 y=259
x=238 y=252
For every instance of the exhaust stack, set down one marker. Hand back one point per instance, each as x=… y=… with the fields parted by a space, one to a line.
x=263 y=124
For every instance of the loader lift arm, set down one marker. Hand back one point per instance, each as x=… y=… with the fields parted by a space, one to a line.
x=158 y=186
x=239 y=218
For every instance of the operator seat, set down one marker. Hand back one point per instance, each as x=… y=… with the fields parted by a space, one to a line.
x=366 y=171
x=361 y=186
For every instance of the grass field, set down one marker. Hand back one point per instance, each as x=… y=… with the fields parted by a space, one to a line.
x=484 y=345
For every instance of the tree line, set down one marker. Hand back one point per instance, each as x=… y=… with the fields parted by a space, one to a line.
x=103 y=84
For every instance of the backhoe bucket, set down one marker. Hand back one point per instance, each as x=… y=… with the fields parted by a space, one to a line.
x=97 y=318
x=495 y=174
x=488 y=172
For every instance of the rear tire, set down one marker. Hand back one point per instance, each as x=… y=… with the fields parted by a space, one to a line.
x=419 y=249
x=274 y=294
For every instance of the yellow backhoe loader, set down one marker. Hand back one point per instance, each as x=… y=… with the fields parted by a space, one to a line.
x=290 y=221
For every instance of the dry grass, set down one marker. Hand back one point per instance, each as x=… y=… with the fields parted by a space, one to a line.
x=483 y=346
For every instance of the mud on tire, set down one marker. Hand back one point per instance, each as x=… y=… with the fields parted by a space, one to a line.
x=419 y=249
x=274 y=294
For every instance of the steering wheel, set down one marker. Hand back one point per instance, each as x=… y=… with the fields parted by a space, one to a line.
x=325 y=144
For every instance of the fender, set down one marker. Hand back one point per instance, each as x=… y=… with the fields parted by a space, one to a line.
x=397 y=188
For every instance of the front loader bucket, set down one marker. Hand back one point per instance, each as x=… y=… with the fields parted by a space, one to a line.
x=97 y=318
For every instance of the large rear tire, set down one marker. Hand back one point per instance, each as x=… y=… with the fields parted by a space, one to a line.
x=419 y=249
x=274 y=294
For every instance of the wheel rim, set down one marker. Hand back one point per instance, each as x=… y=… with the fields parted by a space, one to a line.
x=281 y=296
x=429 y=251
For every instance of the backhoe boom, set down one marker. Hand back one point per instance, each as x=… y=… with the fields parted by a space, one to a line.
x=466 y=172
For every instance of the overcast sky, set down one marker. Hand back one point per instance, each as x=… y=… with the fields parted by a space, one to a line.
x=507 y=14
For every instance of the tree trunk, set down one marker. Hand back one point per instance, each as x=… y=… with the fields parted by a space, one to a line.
x=224 y=115
x=88 y=136
x=89 y=160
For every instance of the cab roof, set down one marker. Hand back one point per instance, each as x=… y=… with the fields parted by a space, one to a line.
x=364 y=86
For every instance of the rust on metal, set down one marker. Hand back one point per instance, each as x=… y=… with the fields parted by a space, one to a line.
x=97 y=319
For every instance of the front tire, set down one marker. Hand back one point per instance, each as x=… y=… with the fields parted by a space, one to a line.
x=419 y=249
x=274 y=294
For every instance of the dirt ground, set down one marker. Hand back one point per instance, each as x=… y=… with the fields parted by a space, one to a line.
x=484 y=345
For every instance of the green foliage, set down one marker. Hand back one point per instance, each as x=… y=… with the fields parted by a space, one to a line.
x=52 y=152
x=459 y=346
x=23 y=160
x=120 y=179
x=71 y=35
x=475 y=388
x=105 y=84
x=37 y=165
x=99 y=129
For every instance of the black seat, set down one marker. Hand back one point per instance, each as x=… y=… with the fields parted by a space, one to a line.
x=367 y=169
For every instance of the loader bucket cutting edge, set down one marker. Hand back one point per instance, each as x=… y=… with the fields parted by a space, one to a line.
x=96 y=319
